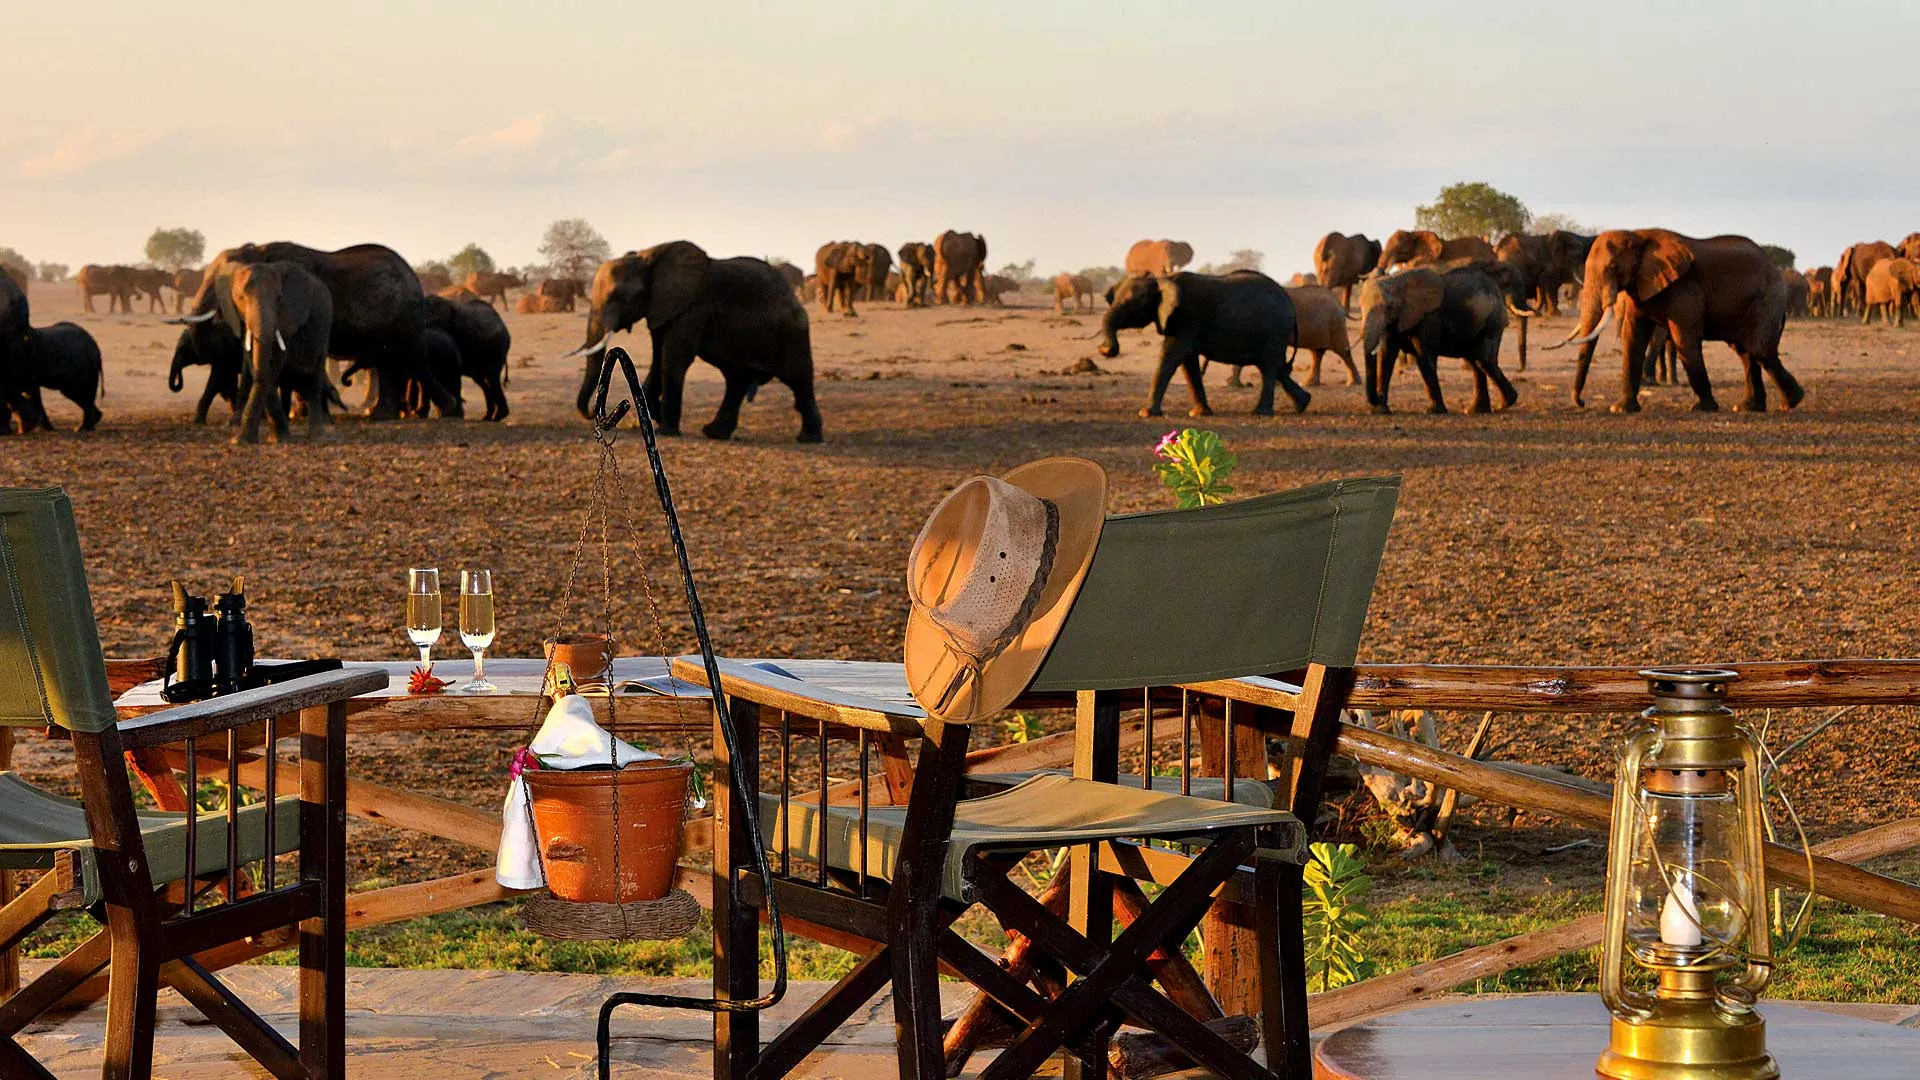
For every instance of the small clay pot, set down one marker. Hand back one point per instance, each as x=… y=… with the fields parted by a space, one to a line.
x=589 y=656
x=574 y=812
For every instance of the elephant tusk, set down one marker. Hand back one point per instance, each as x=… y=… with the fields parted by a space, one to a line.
x=1525 y=313
x=585 y=349
x=280 y=341
x=246 y=343
x=1595 y=336
x=191 y=320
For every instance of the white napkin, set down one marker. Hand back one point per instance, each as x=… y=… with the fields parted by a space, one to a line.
x=568 y=739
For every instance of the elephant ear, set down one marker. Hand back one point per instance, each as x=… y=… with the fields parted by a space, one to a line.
x=677 y=278
x=1169 y=304
x=1420 y=295
x=1662 y=262
x=1430 y=246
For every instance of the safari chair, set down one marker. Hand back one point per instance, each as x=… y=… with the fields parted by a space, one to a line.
x=129 y=869
x=1271 y=586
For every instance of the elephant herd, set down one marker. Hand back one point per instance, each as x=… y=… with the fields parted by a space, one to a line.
x=951 y=270
x=1871 y=277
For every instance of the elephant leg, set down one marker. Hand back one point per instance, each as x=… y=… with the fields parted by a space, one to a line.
x=1634 y=336
x=1196 y=382
x=318 y=400
x=496 y=395
x=1582 y=362
x=1346 y=358
x=1233 y=379
x=1380 y=377
x=807 y=406
x=671 y=359
x=728 y=417
x=1696 y=367
x=1162 y=375
x=257 y=393
x=1522 y=338
x=1756 y=399
x=1313 y=373
x=1430 y=374
x=1283 y=375
x=1791 y=392
x=206 y=399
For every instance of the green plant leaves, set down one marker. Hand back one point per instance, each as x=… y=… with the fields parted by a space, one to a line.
x=1336 y=879
x=1194 y=466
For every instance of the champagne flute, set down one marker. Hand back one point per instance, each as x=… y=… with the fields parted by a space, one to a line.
x=476 y=624
x=423 y=612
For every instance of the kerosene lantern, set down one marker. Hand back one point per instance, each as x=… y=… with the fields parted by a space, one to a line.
x=1686 y=892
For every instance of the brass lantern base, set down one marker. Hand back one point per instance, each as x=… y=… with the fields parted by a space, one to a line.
x=1689 y=1040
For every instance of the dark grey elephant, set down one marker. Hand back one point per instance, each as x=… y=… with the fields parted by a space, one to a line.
x=62 y=357
x=1434 y=313
x=379 y=312
x=736 y=314
x=15 y=321
x=1243 y=319
x=465 y=338
x=285 y=315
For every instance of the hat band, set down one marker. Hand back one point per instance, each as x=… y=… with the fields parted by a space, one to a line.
x=971 y=663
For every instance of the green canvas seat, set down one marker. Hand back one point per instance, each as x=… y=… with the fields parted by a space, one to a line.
x=35 y=825
x=1045 y=811
x=128 y=864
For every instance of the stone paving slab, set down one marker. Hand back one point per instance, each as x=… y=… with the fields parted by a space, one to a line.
x=496 y=1025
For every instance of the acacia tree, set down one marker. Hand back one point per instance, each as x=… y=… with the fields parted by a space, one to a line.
x=1552 y=223
x=468 y=260
x=1244 y=259
x=574 y=249
x=176 y=249
x=16 y=262
x=53 y=271
x=1473 y=209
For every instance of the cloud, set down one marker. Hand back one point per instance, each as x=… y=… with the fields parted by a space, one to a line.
x=522 y=134
x=81 y=151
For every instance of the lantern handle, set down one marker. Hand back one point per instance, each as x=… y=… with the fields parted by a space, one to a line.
x=1620 y=1001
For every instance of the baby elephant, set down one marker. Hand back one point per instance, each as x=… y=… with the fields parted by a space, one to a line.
x=287 y=314
x=61 y=357
x=1242 y=318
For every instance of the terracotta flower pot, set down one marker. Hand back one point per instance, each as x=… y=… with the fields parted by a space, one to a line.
x=574 y=813
x=589 y=656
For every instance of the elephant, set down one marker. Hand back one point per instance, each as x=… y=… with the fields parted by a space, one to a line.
x=1722 y=288
x=1322 y=322
x=148 y=282
x=841 y=266
x=1799 y=292
x=185 y=284
x=1298 y=280
x=483 y=342
x=959 y=264
x=873 y=278
x=491 y=286
x=794 y=276
x=1850 y=273
x=1544 y=263
x=379 y=312
x=1158 y=257
x=916 y=271
x=286 y=313
x=1422 y=247
x=564 y=292
x=1910 y=247
x=736 y=314
x=1820 y=291
x=1244 y=318
x=994 y=286
x=1072 y=288
x=61 y=357
x=221 y=352
x=1340 y=261
x=109 y=281
x=1431 y=313
x=1889 y=285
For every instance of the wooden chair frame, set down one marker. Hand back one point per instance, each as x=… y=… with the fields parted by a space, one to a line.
x=154 y=934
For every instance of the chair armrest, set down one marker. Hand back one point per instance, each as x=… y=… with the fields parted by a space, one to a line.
x=811 y=700
x=248 y=707
x=1252 y=689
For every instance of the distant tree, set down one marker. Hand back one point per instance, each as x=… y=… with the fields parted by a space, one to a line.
x=1550 y=223
x=176 y=249
x=12 y=258
x=51 y=271
x=1102 y=276
x=433 y=266
x=1473 y=209
x=574 y=249
x=1781 y=257
x=1244 y=259
x=469 y=259
x=1020 y=272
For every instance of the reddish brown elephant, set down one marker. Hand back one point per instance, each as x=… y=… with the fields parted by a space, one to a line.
x=1722 y=288
x=959 y=267
x=842 y=267
x=1423 y=247
x=1072 y=288
x=916 y=271
x=111 y=282
x=1890 y=284
x=1340 y=261
x=491 y=286
x=1160 y=257
x=1820 y=291
x=1850 y=273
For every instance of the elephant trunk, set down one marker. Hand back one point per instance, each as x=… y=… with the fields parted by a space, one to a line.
x=1595 y=313
x=175 y=378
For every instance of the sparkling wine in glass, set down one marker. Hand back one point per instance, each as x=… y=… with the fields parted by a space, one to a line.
x=423 y=612
x=476 y=624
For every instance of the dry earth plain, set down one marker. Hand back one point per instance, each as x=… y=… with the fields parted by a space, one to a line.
x=1544 y=535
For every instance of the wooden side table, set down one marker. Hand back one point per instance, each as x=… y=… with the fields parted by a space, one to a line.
x=1559 y=1036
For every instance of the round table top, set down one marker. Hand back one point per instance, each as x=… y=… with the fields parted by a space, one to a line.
x=1559 y=1037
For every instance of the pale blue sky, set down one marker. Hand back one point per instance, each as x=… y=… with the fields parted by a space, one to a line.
x=1063 y=131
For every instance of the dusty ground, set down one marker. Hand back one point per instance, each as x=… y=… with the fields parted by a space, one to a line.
x=1542 y=535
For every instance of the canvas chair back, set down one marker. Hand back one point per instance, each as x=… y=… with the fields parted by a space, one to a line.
x=1258 y=587
x=51 y=668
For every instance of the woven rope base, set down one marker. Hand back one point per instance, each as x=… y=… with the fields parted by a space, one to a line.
x=671 y=916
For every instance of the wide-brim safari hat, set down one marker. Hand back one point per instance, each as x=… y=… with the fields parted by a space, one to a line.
x=992 y=576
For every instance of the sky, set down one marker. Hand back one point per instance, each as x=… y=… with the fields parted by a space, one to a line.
x=1062 y=131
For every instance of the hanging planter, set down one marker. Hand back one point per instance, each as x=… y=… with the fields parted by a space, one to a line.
x=606 y=837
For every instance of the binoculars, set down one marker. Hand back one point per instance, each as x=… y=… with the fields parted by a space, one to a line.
x=211 y=653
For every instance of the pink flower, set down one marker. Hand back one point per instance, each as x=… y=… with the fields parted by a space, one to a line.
x=1166 y=441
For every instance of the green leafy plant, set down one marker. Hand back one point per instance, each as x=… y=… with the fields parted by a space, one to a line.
x=1024 y=727
x=1336 y=879
x=1194 y=466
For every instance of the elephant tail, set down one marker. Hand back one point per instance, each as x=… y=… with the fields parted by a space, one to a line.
x=100 y=388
